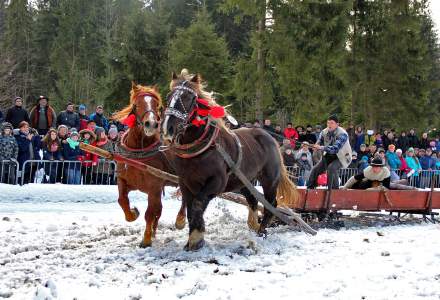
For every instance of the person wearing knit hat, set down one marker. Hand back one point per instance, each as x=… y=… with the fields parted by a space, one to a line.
x=83 y=117
x=334 y=143
x=392 y=158
x=375 y=175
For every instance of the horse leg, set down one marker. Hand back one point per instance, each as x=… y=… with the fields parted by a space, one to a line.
x=252 y=220
x=152 y=216
x=269 y=181
x=196 y=207
x=181 y=216
x=130 y=214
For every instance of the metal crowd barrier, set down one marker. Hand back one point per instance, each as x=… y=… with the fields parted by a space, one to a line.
x=68 y=172
x=8 y=171
x=104 y=173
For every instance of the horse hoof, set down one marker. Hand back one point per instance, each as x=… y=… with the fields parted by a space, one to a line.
x=134 y=214
x=194 y=247
x=145 y=245
x=180 y=223
x=262 y=232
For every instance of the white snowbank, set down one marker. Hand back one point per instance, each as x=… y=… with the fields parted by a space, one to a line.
x=66 y=242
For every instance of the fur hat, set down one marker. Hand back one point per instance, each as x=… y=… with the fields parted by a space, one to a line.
x=92 y=134
x=377 y=162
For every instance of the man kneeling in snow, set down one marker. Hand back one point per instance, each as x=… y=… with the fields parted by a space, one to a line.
x=375 y=175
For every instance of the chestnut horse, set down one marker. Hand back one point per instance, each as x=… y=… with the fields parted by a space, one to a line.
x=142 y=142
x=202 y=170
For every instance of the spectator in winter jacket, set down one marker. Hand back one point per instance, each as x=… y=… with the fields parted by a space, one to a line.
x=370 y=138
x=414 y=165
x=16 y=114
x=378 y=141
x=305 y=149
x=318 y=129
x=392 y=158
x=291 y=134
x=403 y=142
x=413 y=141
x=373 y=150
x=278 y=134
x=354 y=161
x=301 y=134
x=98 y=118
x=426 y=160
x=387 y=140
x=63 y=134
x=359 y=139
x=43 y=116
x=310 y=136
x=83 y=118
x=403 y=165
x=51 y=151
x=113 y=138
x=2 y=118
x=363 y=151
x=71 y=154
x=305 y=169
x=363 y=163
x=8 y=154
x=424 y=141
x=103 y=173
x=288 y=157
x=29 y=144
x=268 y=126
x=91 y=125
x=88 y=160
x=69 y=117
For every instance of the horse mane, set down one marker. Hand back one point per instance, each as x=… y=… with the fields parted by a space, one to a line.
x=137 y=89
x=200 y=88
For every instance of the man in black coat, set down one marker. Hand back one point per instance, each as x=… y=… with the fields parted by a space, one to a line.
x=412 y=139
x=16 y=114
x=69 y=118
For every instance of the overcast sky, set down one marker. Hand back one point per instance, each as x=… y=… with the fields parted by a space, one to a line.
x=435 y=7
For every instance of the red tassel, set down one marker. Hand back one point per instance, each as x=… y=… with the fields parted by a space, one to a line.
x=203 y=101
x=130 y=121
x=217 y=112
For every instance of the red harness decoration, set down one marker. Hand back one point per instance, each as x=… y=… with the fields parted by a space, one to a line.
x=130 y=121
x=203 y=110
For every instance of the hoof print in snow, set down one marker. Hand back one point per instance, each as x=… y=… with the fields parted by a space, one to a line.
x=6 y=219
x=385 y=253
x=366 y=240
x=380 y=233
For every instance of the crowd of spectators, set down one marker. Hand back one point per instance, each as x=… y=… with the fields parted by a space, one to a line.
x=44 y=134
x=405 y=153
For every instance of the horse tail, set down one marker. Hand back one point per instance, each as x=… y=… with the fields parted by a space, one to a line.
x=287 y=193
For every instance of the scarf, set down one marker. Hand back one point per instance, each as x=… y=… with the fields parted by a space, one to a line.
x=72 y=143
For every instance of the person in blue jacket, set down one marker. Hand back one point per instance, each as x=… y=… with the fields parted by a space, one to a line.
x=99 y=119
x=392 y=159
x=71 y=153
x=29 y=145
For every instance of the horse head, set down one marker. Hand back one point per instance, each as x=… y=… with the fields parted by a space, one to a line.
x=144 y=110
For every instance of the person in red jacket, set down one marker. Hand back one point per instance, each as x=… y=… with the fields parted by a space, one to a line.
x=291 y=134
x=88 y=160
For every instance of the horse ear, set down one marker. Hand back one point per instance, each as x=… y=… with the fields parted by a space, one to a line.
x=174 y=76
x=133 y=86
x=196 y=78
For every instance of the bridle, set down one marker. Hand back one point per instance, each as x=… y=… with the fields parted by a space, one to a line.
x=187 y=114
x=155 y=113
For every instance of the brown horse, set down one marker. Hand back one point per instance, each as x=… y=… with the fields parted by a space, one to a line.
x=202 y=170
x=142 y=142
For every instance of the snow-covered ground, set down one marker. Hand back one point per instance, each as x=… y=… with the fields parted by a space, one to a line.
x=72 y=242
